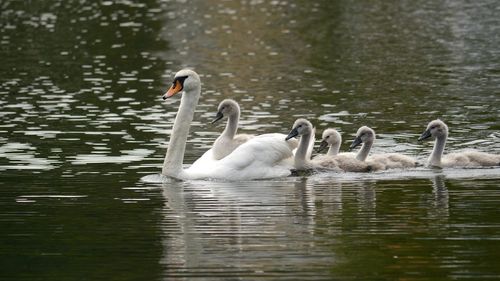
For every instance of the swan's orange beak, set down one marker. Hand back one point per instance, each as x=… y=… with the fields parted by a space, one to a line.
x=176 y=87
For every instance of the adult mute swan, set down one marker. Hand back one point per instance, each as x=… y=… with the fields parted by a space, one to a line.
x=305 y=130
x=228 y=140
x=438 y=130
x=366 y=136
x=261 y=157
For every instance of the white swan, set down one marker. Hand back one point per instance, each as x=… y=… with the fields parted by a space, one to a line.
x=439 y=130
x=305 y=130
x=261 y=157
x=366 y=136
x=228 y=140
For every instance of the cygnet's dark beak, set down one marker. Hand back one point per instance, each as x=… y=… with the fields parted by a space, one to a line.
x=425 y=135
x=357 y=141
x=218 y=117
x=322 y=146
x=293 y=133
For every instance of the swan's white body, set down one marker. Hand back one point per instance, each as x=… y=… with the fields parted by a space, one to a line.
x=228 y=141
x=439 y=130
x=261 y=157
x=302 y=158
x=366 y=136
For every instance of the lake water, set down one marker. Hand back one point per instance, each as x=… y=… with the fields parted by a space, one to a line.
x=82 y=121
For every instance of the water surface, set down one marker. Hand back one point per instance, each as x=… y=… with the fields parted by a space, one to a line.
x=82 y=121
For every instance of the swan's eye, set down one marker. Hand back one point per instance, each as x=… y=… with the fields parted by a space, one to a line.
x=327 y=136
x=181 y=79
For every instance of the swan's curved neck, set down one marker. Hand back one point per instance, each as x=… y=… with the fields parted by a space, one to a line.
x=365 y=149
x=334 y=149
x=172 y=166
x=301 y=153
x=232 y=125
x=437 y=152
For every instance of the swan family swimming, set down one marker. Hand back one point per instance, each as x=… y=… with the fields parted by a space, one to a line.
x=248 y=157
x=261 y=157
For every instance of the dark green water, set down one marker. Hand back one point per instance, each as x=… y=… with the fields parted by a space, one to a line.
x=82 y=121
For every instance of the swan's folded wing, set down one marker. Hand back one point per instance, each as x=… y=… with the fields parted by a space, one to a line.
x=260 y=157
x=205 y=160
x=267 y=148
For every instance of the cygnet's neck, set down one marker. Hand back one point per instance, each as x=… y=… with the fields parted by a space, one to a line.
x=334 y=149
x=437 y=152
x=365 y=149
x=232 y=125
x=301 y=153
x=172 y=166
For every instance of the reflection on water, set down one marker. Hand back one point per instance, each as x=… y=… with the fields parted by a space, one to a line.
x=441 y=196
x=249 y=230
x=82 y=120
x=305 y=228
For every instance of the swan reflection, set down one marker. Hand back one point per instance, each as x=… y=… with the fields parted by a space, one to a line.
x=206 y=224
x=441 y=197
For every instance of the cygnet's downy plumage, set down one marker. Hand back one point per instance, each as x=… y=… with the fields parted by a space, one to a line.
x=438 y=130
x=302 y=155
x=228 y=141
x=304 y=129
x=366 y=136
x=332 y=139
x=346 y=161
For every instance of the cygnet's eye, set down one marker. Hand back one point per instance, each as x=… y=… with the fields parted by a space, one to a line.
x=327 y=137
